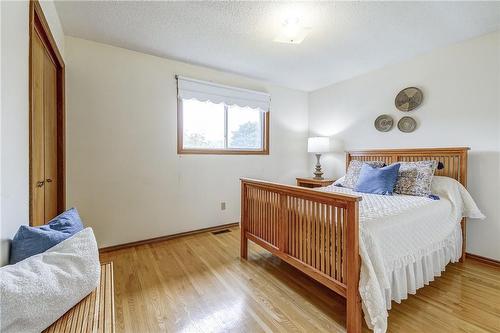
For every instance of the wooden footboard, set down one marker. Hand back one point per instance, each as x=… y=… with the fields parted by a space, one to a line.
x=316 y=232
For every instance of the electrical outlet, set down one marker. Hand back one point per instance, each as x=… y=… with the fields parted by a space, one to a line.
x=222 y=205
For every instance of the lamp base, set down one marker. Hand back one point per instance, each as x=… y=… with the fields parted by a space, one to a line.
x=318 y=174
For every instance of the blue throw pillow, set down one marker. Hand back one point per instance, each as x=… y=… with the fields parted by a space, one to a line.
x=29 y=241
x=377 y=180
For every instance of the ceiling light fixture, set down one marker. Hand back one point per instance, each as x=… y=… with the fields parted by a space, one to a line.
x=292 y=31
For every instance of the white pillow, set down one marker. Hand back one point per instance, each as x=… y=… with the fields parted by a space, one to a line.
x=339 y=181
x=37 y=291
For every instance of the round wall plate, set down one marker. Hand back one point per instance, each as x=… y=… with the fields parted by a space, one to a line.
x=407 y=124
x=408 y=99
x=384 y=123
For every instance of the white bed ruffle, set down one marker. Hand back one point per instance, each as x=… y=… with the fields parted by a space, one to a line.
x=414 y=275
x=406 y=241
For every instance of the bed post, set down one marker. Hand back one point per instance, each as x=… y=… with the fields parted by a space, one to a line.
x=243 y=223
x=464 y=156
x=354 y=311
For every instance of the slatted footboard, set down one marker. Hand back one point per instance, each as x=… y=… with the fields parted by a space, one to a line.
x=316 y=232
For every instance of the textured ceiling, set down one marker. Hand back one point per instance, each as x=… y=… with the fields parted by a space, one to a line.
x=346 y=38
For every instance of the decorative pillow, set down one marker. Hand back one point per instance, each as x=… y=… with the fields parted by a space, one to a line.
x=415 y=178
x=29 y=241
x=352 y=175
x=377 y=180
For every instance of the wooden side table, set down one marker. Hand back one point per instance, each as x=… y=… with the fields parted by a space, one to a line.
x=311 y=182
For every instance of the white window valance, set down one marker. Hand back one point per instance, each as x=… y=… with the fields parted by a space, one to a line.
x=188 y=88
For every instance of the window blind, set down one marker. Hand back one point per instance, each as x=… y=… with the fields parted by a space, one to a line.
x=188 y=88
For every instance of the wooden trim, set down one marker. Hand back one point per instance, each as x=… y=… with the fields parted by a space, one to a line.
x=38 y=21
x=164 y=238
x=267 y=126
x=484 y=260
x=183 y=151
x=221 y=152
x=180 y=123
x=38 y=25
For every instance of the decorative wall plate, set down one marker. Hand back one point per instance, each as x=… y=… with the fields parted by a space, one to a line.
x=407 y=124
x=408 y=99
x=384 y=123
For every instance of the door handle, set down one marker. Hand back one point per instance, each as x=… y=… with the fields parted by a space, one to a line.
x=40 y=183
x=48 y=180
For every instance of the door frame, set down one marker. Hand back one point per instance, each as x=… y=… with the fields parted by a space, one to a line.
x=38 y=25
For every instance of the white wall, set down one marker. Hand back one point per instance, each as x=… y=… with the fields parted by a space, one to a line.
x=123 y=171
x=15 y=124
x=461 y=86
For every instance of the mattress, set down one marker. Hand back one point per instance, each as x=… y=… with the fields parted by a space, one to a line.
x=406 y=241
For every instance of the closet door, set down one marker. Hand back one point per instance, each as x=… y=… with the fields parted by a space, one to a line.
x=50 y=137
x=46 y=121
x=37 y=133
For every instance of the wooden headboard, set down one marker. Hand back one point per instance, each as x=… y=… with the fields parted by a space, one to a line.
x=453 y=160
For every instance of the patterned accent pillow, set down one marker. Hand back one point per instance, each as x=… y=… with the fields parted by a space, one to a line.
x=415 y=178
x=352 y=174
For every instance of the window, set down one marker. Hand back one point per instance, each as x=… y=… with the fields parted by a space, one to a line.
x=214 y=124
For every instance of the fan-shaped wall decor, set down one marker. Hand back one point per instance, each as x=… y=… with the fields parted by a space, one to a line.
x=408 y=99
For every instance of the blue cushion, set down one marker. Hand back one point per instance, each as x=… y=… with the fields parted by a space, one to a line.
x=377 y=180
x=29 y=241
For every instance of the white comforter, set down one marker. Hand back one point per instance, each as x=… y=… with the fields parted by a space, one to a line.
x=405 y=241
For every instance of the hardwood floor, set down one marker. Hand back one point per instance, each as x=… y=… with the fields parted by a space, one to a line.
x=198 y=283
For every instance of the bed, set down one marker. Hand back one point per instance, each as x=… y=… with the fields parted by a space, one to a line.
x=368 y=248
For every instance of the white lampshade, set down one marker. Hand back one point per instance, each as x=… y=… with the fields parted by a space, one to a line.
x=318 y=144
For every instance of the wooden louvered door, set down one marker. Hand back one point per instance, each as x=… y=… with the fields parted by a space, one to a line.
x=50 y=137
x=46 y=122
x=37 y=135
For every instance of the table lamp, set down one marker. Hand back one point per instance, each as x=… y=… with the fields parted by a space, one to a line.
x=318 y=145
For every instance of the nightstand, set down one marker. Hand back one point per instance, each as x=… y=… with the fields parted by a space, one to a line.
x=311 y=182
